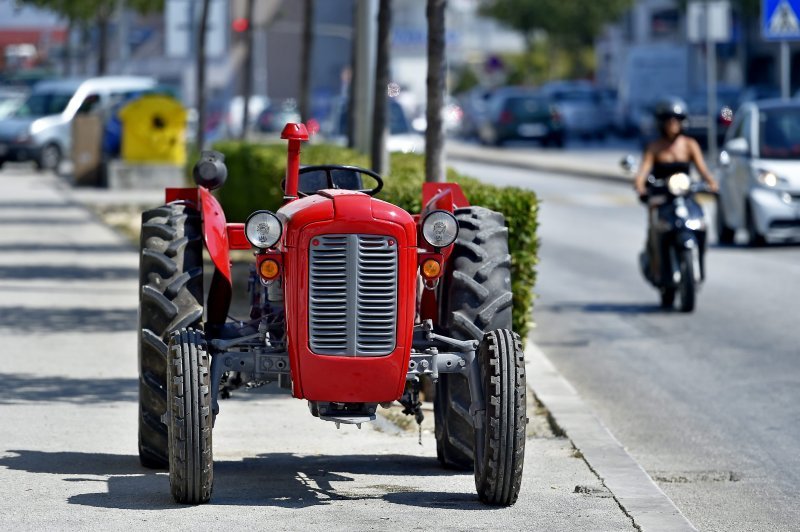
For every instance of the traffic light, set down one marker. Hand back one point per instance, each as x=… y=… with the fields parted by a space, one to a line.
x=239 y=25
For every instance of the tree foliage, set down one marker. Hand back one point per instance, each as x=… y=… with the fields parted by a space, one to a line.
x=566 y=22
x=88 y=10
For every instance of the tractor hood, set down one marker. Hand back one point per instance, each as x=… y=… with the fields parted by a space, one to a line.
x=345 y=206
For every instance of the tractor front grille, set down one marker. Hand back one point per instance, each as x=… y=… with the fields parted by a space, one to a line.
x=352 y=295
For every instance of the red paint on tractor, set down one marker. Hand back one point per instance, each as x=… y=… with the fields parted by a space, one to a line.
x=358 y=379
x=181 y=194
x=237 y=238
x=456 y=200
x=215 y=232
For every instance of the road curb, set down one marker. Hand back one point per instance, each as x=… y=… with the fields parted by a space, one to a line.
x=637 y=495
x=524 y=161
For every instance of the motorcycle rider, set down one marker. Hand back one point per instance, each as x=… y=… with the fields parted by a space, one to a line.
x=671 y=153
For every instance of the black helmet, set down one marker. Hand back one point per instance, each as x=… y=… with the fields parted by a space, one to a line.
x=671 y=107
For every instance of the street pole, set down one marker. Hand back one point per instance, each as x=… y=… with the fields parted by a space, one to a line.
x=711 y=84
x=785 y=71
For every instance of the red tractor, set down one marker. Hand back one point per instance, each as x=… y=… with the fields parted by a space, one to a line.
x=353 y=300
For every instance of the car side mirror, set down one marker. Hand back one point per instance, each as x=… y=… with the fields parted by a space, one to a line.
x=628 y=163
x=738 y=146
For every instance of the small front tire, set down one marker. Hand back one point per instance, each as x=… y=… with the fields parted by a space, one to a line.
x=687 y=288
x=49 y=158
x=191 y=466
x=755 y=238
x=500 y=440
x=725 y=234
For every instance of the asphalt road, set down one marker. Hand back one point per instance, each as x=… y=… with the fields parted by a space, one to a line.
x=708 y=403
x=68 y=409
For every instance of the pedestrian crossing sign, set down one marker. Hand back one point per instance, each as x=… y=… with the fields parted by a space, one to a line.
x=780 y=20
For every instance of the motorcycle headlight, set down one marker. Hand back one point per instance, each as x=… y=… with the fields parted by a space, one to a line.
x=263 y=229
x=679 y=184
x=439 y=229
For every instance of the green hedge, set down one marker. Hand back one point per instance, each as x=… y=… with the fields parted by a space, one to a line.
x=255 y=172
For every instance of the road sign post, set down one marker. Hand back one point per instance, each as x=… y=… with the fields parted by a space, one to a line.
x=710 y=23
x=780 y=21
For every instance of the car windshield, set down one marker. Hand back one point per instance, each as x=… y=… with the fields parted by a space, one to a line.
x=44 y=104
x=525 y=108
x=780 y=133
x=398 y=123
x=584 y=96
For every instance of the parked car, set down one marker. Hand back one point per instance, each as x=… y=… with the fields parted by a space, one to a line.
x=516 y=113
x=11 y=99
x=760 y=91
x=40 y=130
x=276 y=115
x=473 y=105
x=697 y=122
x=580 y=107
x=759 y=173
x=233 y=114
x=402 y=138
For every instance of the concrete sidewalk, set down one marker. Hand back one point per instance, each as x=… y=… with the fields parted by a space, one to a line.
x=68 y=458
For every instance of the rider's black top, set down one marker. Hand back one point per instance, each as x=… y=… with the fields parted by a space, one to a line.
x=664 y=170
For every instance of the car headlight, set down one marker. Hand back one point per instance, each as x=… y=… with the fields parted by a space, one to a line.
x=768 y=179
x=439 y=229
x=679 y=184
x=263 y=229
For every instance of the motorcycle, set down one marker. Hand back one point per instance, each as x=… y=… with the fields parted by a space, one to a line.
x=673 y=260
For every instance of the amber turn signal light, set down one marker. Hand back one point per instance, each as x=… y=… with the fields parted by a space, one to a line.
x=269 y=269
x=431 y=268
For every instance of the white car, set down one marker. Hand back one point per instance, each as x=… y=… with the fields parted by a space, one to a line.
x=759 y=173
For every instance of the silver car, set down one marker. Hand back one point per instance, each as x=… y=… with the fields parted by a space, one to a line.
x=759 y=173
x=40 y=130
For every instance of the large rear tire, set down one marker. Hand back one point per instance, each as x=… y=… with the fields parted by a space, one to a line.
x=476 y=298
x=170 y=297
x=500 y=443
x=191 y=463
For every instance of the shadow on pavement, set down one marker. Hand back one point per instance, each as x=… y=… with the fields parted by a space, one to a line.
x=34 y=271
x=33 y=388
x=49 y=221
x=54 y=320
x=277 y=479
x=608 y=308
x=54 y=246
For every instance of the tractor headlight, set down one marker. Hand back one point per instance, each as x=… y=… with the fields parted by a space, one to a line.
x=263 y=229
x=439 y=229
x=679 y=184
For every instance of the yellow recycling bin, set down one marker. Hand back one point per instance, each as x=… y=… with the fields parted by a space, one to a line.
x=154 y=130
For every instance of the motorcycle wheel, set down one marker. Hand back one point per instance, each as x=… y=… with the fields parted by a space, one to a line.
x=667 y=297
x=687 y=284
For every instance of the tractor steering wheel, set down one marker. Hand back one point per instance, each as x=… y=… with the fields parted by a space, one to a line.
x=332 y=180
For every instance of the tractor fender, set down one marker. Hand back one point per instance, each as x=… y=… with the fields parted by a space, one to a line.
x=215 y=236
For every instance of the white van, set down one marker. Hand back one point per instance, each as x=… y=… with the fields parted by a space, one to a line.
x=41 y=129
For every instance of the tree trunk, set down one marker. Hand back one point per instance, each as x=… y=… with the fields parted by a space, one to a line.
x=380 y=113
x=306 y=57
x=68 y=53
x=248 y=71
x=201 y=75
x=354 y=78
x=102 y=47
x=434 y=134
